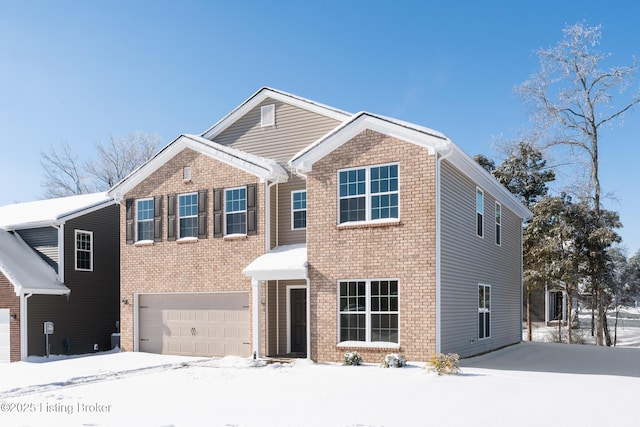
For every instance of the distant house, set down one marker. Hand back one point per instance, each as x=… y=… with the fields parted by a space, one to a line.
x=60 y=263
x=294 y=228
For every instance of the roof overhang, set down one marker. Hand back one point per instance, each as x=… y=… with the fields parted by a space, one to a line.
x=277 y=95
x=288 y=262
x=265 y=169
x=25 y=270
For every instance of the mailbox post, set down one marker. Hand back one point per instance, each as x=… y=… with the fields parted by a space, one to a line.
x=48 y=330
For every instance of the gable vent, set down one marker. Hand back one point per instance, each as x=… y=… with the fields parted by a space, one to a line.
x=268 y=115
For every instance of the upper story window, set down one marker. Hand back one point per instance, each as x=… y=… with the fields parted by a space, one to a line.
x=479 y=212
x=144 y=219
x=498 y=223
x=188 y=215
x=299 y=210
x=84 y=250
x=368 y=194
x=484 y=311
x=236 y=210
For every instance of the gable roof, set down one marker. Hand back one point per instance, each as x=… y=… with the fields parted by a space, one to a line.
x=434 y=141
x=265 y=169
x=42 y=213
x=23 y=267
x=277 y=95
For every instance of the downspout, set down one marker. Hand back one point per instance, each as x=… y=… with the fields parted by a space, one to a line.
x=24 y=353
x=439 y=243
x=306 y=276
x=60 y=229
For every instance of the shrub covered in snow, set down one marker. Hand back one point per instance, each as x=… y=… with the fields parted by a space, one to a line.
x=444 y=364
x=352 y=358
x=393 y=360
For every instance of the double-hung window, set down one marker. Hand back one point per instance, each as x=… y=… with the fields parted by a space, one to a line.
x=498 y=223
x=236 y=210
x=187 y=215
x=144 y=219
x=484 y=311
x=299 y=210
x=368 y=194
x=84 y=250
x=368 y=311
x=479 y=212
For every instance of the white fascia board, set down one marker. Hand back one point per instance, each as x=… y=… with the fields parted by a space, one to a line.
x=431 y=140
x=262 y=168
x=264 y=93
x=63 y=291
x=487 y=182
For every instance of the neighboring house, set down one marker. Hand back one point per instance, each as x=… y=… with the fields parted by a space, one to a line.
x=59 y=263
x=294 y=228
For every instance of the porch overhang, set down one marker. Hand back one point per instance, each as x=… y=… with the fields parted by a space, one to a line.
x=287 y=262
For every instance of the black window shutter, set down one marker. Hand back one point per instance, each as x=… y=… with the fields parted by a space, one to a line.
x=157 y=219
x=202 y=214
x=171 y=217
x=217 y=212
x=130 y=224
x=252 y=221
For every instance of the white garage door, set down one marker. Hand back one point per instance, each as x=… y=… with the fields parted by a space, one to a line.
x=194 y=324
x=5 y=319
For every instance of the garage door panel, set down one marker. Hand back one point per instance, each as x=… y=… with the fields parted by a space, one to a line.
x=195 y=324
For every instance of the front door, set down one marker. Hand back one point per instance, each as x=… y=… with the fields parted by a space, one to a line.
x=298 y=321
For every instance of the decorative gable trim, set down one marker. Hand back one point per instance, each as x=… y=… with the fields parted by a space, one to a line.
x=276 y=95
x=265 y=169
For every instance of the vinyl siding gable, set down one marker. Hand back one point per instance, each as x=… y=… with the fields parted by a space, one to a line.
x=294 y=129
x=45 y=242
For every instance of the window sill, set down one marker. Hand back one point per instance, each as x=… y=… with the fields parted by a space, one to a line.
x=369 y=224
x=363 y=345
x=144 y=243
x=234 y=237
x=187 y=240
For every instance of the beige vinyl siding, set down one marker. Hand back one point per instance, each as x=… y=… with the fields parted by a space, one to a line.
x=295 y=129
x=273 y=217
x=286 y=235
x=45 y=241
x=468 y=260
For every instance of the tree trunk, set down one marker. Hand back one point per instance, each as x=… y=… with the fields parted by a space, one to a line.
x=615 y=327
x=600 y=319
x=569 y=319
x=529 y=332
x=593 y=305
x=605 y=328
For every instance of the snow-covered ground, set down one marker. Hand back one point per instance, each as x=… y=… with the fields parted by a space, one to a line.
x=529 y=384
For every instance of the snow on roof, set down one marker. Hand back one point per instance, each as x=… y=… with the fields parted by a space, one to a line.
x=281 y=263
x=47 y=212
x=24 y=268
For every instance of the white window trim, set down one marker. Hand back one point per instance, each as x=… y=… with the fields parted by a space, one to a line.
x=233 y=212
x=498 y=218
x=268 y=115
x=189 y=216
x=367 y=313
x=75 y=252
x=479 y=190
x=367 y=196
x=293 y=210
x=485 y=311
x=137 y=220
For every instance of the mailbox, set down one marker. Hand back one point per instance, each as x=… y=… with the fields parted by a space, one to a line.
x=48 y=328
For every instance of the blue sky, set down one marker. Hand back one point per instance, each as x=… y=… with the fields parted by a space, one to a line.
x=79 y=71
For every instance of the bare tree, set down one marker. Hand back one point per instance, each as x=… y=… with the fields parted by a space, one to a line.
x=63 y=172
x=573 y=99
x=66 y=175
x=119 y=157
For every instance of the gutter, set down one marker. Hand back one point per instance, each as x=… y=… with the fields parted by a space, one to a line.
x=443 y=156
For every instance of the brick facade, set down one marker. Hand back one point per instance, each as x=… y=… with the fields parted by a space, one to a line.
x=205 y=265
x=403 y=251
x=9 y=299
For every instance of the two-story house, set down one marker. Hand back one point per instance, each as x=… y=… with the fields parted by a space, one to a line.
x=294 y=228
x=59 y=263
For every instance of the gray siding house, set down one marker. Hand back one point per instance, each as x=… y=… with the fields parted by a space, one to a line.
x=60 y=263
